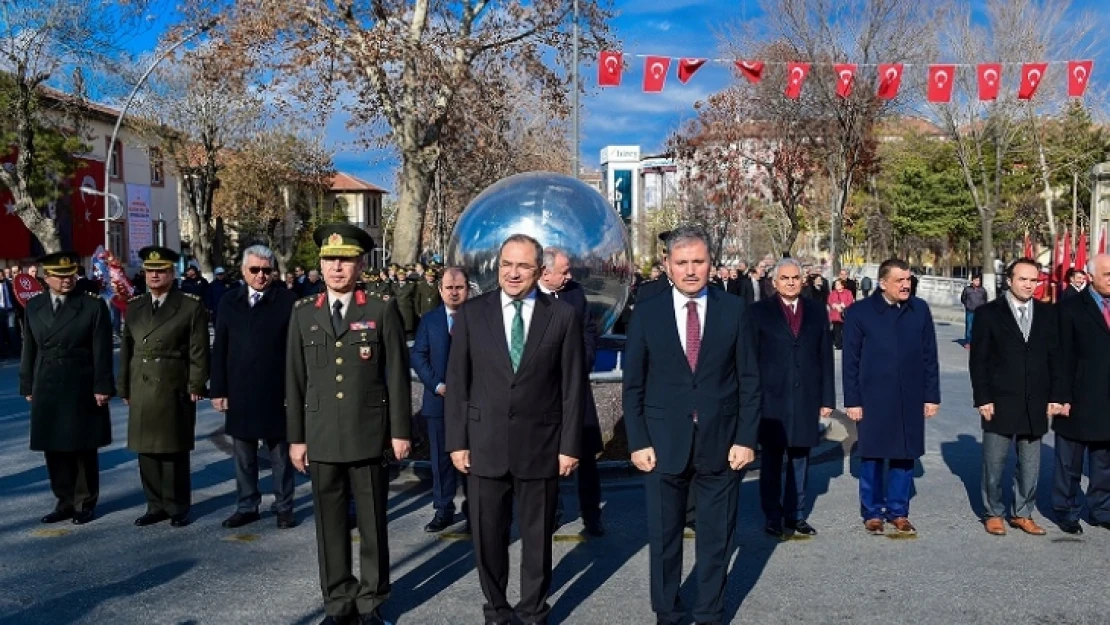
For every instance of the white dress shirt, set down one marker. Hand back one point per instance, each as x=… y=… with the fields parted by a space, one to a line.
x=791 y=304
x=508 y=313
x=161 y=300
x=680 y=300
x=57 y=301
x=251 y=296
x=345 y=298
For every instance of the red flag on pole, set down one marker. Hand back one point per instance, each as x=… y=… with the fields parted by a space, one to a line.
x=87 y=207
x=609 y=68
x=655 y=73
x=687 y=68
x=1027 y=251
x=941 y=80
x=1079 y=72
x=990 y=80
x=1102 y=241
x=890 y=80
x=752 y=70
x=796 y=75
x=1031 y=75
x=1057 y=254
x=1065 y=258
x=845 y=79
x=1081 y=252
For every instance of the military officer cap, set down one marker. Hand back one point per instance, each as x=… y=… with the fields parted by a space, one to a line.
x=663 y=236
x=430 y=271
x=60 y=264
x=157 y=257
x=342 y=241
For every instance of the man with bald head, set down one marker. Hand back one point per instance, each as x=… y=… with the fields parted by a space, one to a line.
x=1083 y=429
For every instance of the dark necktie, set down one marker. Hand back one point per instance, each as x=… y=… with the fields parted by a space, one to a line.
x=693 y=334
x=254 y=298
x=516 y=334
x=1106 y=311
x=156 y=305
x=57 y=305
x=337 y=316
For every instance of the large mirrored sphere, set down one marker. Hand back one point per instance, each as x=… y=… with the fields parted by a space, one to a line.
x=558 y=211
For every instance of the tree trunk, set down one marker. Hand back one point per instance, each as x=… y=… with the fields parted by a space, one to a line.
x=42 y=227
x=416 y=187
x=986 y=226
x=836 y=220
x=1047 y=190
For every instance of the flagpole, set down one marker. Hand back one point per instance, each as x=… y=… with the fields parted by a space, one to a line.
x=574 y=98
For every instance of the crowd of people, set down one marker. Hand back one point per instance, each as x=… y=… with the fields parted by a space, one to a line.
x=509 y=409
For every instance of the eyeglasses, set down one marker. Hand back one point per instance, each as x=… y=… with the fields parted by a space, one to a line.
x=264 y=270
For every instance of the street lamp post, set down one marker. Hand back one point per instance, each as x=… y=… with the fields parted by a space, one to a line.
x=574 y=96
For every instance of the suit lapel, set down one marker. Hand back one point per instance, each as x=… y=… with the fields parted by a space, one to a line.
x=1092 y=307
x=496 y=321
x=354 y=313
x=1010 y=321
x=67 y=313
x=675 y=339
x=45 y=313
x=166 y=311
x=712 y=320
x=322 y=317
x=541 y=317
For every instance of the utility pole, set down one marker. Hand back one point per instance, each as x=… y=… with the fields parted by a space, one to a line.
x=574 y=98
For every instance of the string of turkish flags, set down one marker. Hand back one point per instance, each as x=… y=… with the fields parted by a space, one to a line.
x=941 y=81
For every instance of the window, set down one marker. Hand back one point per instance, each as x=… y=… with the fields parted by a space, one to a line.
x=375 y=210
x=115 y=240
x=157 y=167
x=115 y=167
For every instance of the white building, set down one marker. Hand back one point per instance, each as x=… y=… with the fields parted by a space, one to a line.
x=636 y=185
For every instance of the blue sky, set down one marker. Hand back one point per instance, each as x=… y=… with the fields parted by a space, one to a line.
x=624 y=115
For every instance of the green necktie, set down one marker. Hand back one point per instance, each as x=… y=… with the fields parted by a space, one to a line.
x=516 y=345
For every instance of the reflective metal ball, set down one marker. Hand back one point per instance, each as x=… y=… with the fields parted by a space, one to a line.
x=556 y=210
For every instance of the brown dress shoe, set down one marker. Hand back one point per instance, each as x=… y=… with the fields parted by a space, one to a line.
x=903 y=525
x=1027 y=525
x=874 y=526
x=995 y=526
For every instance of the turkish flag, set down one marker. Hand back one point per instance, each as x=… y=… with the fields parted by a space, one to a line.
x=795 y=76
x=1027 y=251
x=1031 y=75
x=655 y=73
x=845 y=78
x=1102 y=240
x=609 y=67
x=1065 y=258
x=1081 y=252
x=88 y=209
x=687 y=68
x=1079 y=73
x=752 y=70
x=890 y=81
x=990 y=79
x=941 y=80
x=15 y=238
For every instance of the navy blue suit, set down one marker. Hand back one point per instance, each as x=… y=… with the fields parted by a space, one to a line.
x=429 y=360
x=800 y=381
x=661 y=397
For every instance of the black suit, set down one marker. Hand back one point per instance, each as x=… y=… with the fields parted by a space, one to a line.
x=745 y=289
x=662 y=396
x=515 y=425
x=1085 y=345
x=1069 y=293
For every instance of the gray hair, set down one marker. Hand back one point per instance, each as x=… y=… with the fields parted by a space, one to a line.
x=523 y=238
x=684 y=235
x=1094 y=260
x=260 y=252
x=551 y=254
x=786 y=262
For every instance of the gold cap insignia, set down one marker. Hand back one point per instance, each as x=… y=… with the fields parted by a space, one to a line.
x=154 y=256
x=65 y=261
x=335 y=239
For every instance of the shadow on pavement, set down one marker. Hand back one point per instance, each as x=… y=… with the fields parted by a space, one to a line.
x=964 y=457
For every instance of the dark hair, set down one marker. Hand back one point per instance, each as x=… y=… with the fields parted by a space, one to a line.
x=1072 y=273
x=523 y=238
x=892 y=263
x=457 y=270
x=685 y=234
x=1025 y=260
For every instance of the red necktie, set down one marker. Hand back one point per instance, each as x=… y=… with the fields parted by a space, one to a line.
x=693 y=334
x=1106 y=311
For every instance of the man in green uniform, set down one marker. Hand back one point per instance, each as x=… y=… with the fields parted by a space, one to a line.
x=163 y=371
x=66 y=374
x=348 y=402
x=404 y=294
x=427 y=294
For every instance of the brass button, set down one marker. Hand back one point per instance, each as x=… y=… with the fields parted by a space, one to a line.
x=338 y=361
x=339 y=343
x=339 y=395
x=339 y=378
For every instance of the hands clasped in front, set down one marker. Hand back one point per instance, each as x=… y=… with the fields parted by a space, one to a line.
x=461 y=460
x=298 y=453
x=1054 y=410
x=738 y=458
x=855 y=413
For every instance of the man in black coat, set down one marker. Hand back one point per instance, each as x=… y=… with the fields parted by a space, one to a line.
x=1077 y=282
x=793 y=345
x=247 y=383
x=514 y=423
x=1084 y=429
x=1017 y=381
x=66 y=375
x=556 y=281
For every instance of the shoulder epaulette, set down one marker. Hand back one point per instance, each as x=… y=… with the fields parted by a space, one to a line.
x=92 y=295
x=134 y=297
x=304 y=300
x=191 y=296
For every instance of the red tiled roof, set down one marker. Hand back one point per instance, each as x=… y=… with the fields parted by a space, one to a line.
x=347 y=182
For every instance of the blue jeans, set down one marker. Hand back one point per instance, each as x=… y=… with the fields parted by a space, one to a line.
x=968 y=318
x=891 y=502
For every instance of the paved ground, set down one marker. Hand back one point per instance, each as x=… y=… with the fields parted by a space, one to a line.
x=953 y=573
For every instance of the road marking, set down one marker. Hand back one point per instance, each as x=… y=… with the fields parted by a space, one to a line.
x=568 y=538
x=902 y=536
x=240 y=538
x=51 y=533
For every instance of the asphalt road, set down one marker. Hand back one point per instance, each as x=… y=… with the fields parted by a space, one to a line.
x=953 y=573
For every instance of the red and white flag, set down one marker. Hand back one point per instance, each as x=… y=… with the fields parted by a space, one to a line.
x=845 y=79
x=795 y=76
x=1102 y=240
x=990 y=80
x=609 y=68
x=687 y=68
x=1081 y=252
x=752 y=70
x=890 y=81
x=655 y=73
x=941 y=80
x=1031 y=75
x=1079 y=72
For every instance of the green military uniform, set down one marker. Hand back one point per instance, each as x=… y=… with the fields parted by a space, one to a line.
x=404 y=293
x=427 y=295
x=163 y=361
x=67 y=361
x=347 y=395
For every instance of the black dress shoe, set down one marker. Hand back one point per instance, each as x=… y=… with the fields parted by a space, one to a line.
x=374 y=618
x=801 y=527
x=594 y=528
x=440 y=522
x=1104 y=525
x=239 y=519
x=57 y=516
x=773 y=529
x=180 y=520
x=83 y=517
x=350 y=619
x=1071 y=527
x=286 y=520
x=150 y=518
